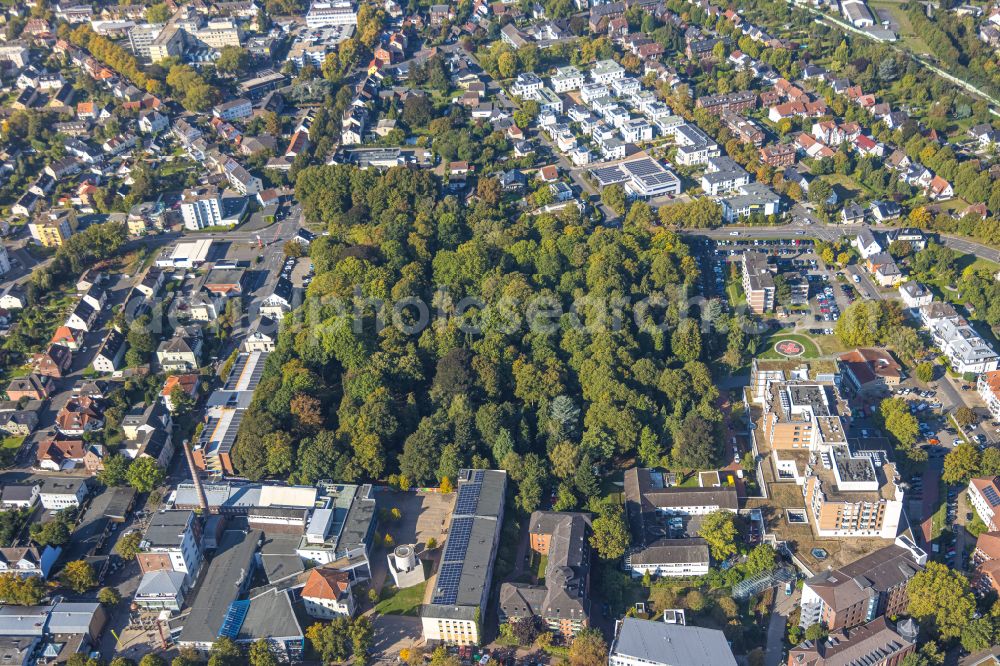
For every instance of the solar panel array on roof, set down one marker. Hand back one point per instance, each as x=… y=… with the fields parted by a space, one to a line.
x=649 y=171
x=446 y=591
x=468 y=499
x=990 y=493
x=609 y=175
x=237 y=371
x=448 y=578
x=230 y=437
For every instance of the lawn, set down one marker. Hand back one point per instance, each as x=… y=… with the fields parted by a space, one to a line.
x=540 y=562
x=938 y=519
x=767 y=346
x=401 y=602
x=907 y=36
x=845 y=186
x=13 y=442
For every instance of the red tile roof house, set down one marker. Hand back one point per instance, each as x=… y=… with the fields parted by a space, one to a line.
x=986 y=562
x=32 y=387
x=54 y=361
x=68 y=337
x=869 y=369
x=59 y=454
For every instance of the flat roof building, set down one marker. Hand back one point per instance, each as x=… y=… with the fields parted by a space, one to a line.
x=758 y=282
x=461 y=586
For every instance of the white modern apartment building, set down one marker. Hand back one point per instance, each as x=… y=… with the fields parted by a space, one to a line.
x=966 y=350
x=566 y=79
x=989 y=390
x=325 y=13
x=606 y=71
x=984 y=495
x=201 y=208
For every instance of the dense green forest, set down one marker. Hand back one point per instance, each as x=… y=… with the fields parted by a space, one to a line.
x=351 y=402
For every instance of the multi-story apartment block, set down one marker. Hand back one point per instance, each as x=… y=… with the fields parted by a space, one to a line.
x=965 y=348
x=566 y=79
x=53 y=227
x=848 y=495
x=863 y=590
x=171 y=543
x=986 y=563
x=758 y=282
x=201 y=207
x=606 y=71
x=778 y=155
x=563 y=601
x=984 y=496
x=324 y=13
x=989 y=390
x=878 y=643
x=737 y=102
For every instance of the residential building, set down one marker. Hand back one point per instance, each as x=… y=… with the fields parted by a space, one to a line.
x=866 y=243
x=181 y=353
x=915 y=237
x=863 y=590
x=171 y=542
x=723 y=175
x=985 y=563
x=162 y=590
x=966 y=350
x=915 y=295
x=751 y=199
x=201 y=208
x=32 y=387
x=20 y=496
x=52 y=227
x=870 y=370
x=884 y=270
x=28 y=560
x=653 y=643
x=606 y=71
x=878 y=643
x=737 y=102
x=463 y=582
x=186 y=383
x=61 y=493
x=567 y=79
x=236 y=109
x=563 y=602
x=758 y=282
x=854 y=497
x=984 y=496
x=111 y=353
x=327 y=594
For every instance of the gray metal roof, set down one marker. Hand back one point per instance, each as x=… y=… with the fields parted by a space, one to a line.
x=72 y=617
x=672 y=644
x=226 y=577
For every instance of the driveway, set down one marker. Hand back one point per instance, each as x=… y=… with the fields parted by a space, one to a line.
x=783 y=607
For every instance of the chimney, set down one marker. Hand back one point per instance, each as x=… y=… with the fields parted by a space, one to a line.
x=202 y=501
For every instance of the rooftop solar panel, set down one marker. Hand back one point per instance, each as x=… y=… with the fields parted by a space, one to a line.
x=991 y=496
x=468 y=499
x=446 y=590
x=458 y=540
